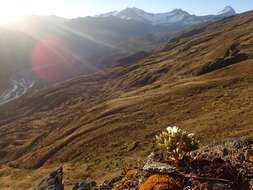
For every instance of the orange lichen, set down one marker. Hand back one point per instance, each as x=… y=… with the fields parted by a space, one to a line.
x=158 y=182
x=131 y=173
x=161 y=187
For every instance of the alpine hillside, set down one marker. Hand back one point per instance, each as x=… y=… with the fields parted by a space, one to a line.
x=201 y=80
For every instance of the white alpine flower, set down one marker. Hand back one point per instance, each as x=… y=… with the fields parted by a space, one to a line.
x=176 y=141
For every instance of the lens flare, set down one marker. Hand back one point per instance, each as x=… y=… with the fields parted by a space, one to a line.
x=51 y=59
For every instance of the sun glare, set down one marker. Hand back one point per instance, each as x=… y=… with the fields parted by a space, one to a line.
x=13 y=10
x=6 y=17
x=10 y=11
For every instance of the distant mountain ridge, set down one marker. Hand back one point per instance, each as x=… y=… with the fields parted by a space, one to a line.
x=90 y=44
x=175 y=16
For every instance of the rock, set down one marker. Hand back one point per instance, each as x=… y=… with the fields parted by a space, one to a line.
x=116 y=179
x=237 y=144
x=93 y=184
x=220 y=186
x=242 y=157
x=158 y=182
x=225 y=151
x=52 y=182
x=157 y=167
x=225 y=166
x=82 y=186
x=129 y=181
x=109 y=184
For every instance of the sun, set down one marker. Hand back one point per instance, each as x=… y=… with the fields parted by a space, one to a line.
x=13 y=10
x=8 y=17
x=9 y=11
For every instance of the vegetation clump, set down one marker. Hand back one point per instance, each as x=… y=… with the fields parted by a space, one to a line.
x=176 y=142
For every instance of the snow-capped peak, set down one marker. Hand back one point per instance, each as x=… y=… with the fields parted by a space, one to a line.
x=132 y=14
x=112 y=13
x=178 y=16
x=227 y=11
x=155 y=18
x=179 y=11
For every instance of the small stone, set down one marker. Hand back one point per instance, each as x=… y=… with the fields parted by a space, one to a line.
x=225 y=152
x=81 y=186
x=153 y=166
x=237 y=144
x=93 y=184
x=193 y=154
x=52 y=182
x=116 y=179
x=241 y=157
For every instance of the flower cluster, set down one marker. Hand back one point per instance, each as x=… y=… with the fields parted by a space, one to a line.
x=176 y=142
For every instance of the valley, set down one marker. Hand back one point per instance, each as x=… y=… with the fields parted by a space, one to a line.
x=51 y=49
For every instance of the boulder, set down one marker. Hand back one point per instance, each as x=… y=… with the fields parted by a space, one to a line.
x=82 y=186
x=154 y=166
x=52 y=182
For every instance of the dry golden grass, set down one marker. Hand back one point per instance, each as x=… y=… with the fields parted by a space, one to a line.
x=95 y=125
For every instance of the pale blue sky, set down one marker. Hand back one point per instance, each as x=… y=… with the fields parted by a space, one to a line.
x=74 y=8
x=198 y=7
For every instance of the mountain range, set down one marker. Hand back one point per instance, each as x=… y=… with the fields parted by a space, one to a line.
x=45 y=50
x=177 y=16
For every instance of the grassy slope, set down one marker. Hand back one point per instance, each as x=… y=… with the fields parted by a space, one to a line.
x=201 y=81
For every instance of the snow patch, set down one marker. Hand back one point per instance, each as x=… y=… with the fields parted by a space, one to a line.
x=18 y=89
x=227 y=11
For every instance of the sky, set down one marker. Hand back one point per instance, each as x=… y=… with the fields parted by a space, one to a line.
x=80 y=8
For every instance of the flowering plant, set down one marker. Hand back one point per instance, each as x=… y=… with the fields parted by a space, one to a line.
x=176 y=142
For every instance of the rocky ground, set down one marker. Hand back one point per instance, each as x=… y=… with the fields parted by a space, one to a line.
x=224 y=166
